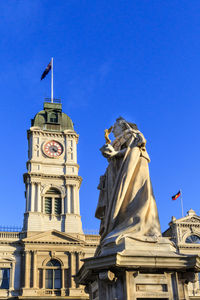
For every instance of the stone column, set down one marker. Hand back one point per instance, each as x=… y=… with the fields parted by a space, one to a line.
x=53 y=205
x=32 y=199
x=12 y=274
x=78 y=204
x=42 y=205
x=68 y=200
x=27 y=269
x=36 y=197
x=35 y=269
x=73 y=269
x=72 y=198
x=63 y=278
x=39 y=198
x=43 y=278
x=62 y=205
x=27 y=197
x=65 y=202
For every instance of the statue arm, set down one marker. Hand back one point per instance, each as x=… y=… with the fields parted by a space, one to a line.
x=109 y=152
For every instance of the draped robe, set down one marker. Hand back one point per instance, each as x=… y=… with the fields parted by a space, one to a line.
x=126 y=205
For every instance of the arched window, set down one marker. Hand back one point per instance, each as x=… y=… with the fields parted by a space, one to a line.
x=52 y=202
x=193 y=239
x=53 y=275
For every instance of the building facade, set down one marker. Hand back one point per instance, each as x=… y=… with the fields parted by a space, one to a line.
x=41 y=260
x=185 y=233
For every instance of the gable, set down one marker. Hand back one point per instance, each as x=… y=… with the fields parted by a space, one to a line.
x=53 y=236
x=189 y=219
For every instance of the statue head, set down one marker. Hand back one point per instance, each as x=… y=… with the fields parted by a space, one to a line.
x=121 y=125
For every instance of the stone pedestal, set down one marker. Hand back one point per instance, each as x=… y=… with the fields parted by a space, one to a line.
x=137 y=275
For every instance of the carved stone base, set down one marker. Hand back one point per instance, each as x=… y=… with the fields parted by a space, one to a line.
x=77 y=292
x=137 y=276
x=26 y=292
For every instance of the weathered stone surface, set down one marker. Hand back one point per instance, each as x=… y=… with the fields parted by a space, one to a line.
x=133 y=275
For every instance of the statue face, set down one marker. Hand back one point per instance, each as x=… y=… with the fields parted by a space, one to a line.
x=117 y=130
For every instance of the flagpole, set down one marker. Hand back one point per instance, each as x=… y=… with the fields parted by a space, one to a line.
x=182 y=203
x=52 y=80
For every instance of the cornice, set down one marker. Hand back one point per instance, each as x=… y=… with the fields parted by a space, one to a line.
x=188 y=246
x=11 y=243
x=42 y=175
x=189 y=224
x=54 y=243
x=56 y=163
x=39 y=132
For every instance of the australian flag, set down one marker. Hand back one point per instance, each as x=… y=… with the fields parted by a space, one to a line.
x=46 y=71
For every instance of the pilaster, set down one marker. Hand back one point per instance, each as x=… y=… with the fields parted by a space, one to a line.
x=39 y=196
x=35 y=269
x=32 y=196
x=27 y=269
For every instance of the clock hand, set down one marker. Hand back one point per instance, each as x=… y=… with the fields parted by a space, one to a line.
x=54 y=149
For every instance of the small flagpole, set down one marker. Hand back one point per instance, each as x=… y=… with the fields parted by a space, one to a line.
x=52 y=80
x=182 y=204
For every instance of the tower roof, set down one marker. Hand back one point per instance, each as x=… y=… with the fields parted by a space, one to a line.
x=52 y=118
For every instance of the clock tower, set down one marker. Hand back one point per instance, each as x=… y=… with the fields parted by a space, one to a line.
x=52 y=181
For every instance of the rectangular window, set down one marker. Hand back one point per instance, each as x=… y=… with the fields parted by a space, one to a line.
x=49 y=279
x=57 y=279
x=57 y=207
x=4 y=278
x=40 y=278
x=48 y=205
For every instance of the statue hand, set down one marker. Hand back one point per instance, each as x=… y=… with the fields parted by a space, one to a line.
x=108 y=151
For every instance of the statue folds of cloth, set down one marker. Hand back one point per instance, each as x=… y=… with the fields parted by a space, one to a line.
x=126 y=205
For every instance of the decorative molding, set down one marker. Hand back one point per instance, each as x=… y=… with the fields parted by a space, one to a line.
x=39 y=132
x=46 y=187
x=190 y=220
x=32 y=175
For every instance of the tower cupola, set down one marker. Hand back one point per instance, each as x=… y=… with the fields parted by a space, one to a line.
x=52 y=118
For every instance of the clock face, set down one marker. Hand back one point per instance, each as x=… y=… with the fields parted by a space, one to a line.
x=53 y=149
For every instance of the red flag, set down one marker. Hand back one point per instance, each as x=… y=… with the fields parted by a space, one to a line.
x=176 y=196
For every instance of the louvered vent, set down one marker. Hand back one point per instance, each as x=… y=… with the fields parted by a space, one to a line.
x=48 y=205
x=57 y=206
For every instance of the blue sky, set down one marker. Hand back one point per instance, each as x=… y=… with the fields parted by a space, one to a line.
x=137 y=59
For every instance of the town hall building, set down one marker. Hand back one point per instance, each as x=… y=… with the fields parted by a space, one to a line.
x=42 y=259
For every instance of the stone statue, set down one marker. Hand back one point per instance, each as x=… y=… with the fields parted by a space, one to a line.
x=133 y=260
x=126 y=205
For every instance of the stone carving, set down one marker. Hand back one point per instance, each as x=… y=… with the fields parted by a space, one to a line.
x=126 y=205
